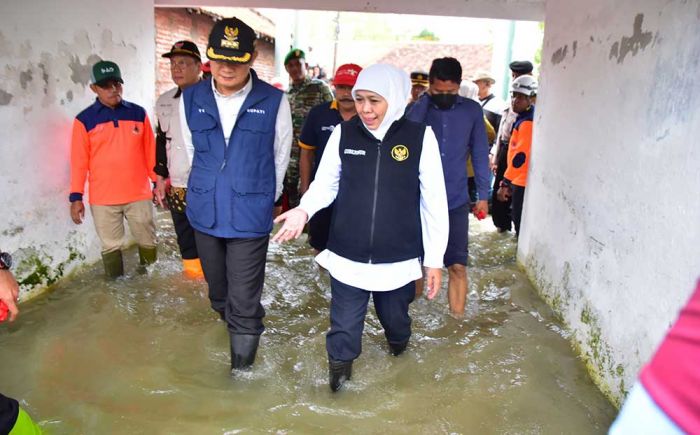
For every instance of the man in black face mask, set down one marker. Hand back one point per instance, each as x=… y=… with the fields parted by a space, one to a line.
x=458 y=124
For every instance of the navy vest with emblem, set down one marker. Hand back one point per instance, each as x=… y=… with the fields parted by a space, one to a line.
x=377 y=210
x=231 y=189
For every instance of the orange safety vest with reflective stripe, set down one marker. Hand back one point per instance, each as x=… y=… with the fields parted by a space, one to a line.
x=519 y=148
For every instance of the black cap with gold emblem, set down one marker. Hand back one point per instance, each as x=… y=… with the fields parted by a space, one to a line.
x=231 y=40
x=419 y=78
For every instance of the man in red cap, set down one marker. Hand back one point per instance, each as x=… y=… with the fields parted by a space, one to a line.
x=318 y=127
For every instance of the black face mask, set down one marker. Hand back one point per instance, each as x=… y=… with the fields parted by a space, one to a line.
x=444 y=101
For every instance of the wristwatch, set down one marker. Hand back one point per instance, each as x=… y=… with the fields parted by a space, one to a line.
x=5 y=260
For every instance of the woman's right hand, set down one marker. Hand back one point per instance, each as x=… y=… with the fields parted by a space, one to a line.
x=294 y=221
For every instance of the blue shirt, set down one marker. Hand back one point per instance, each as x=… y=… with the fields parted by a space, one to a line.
x=319 y=125
x=460 y=132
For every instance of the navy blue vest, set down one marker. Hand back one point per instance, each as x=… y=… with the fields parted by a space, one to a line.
x=376 y=218
x=231 y=189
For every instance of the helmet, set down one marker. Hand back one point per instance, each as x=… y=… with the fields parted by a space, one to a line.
x=525 y=85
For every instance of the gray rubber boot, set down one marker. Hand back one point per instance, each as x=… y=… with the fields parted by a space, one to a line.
x=147 y=255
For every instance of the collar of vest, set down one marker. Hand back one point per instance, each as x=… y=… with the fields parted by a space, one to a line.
x=527 y=115
x=205 y=98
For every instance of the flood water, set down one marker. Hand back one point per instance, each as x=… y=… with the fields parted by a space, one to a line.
x=146 y=355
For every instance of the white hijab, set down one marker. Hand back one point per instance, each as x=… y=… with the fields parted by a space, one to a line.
x=393 y=85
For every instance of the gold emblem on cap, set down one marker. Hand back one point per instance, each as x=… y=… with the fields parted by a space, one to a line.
x=231 y=38
x=240 y=59
x=399 y=153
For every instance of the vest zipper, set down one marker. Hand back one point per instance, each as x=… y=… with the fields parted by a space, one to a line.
x=374 y=201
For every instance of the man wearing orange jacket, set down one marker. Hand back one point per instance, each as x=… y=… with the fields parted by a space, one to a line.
x=524 y=91
x=113 y=148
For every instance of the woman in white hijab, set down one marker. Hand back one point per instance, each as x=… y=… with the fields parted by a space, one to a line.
x=385 y=175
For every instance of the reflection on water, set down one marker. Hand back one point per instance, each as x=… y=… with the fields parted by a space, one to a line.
x=145 y=354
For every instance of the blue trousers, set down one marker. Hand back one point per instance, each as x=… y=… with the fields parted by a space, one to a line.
x=348 y=310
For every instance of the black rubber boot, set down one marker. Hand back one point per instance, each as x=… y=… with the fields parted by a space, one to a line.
x=147 y=255
x=243 y=350
x=338 y=373
x=398 y=348
x=114 y=265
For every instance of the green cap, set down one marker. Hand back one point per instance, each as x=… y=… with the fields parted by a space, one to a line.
x=105 y=70
x=294 y=53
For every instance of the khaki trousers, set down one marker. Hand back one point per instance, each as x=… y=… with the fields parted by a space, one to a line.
x=109 y=224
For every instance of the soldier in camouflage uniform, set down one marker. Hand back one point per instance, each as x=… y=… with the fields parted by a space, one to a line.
x=303 y=94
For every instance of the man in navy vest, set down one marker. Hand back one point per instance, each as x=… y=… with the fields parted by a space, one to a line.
x=239 y=137
x=458 y=123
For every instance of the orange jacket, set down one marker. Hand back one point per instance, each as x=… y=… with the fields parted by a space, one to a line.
x=519 y=148
x=114 y=149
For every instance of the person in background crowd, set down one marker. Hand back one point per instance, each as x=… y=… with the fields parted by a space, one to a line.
x=315 y=72
x=419 y=84
x=468 y=89
x=665 y=398
x=458 y=124
x=172 y=160
x=500 y=210
x=385 y=175
x=318 y=127
x=523 y=90
x=206 y=70
x=304 y=93
x=13 y=419
x=492 y=105
x=113 y=148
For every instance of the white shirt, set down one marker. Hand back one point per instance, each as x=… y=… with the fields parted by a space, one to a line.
x=229 y=106
x=495 y=105
x=169 y=116
x=433 y=212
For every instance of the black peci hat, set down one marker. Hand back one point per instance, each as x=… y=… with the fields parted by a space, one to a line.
x=521 y=67
x=184 y=48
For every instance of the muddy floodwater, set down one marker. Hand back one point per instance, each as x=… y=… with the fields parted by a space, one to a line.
x=146 y=355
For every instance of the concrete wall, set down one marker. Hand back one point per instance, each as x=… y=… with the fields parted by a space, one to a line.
x=46 y=50
x=611 y=221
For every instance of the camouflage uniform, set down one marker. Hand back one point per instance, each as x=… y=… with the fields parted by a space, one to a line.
x=302 y=98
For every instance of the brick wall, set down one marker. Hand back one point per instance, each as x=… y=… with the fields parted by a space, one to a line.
x=175 y=24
